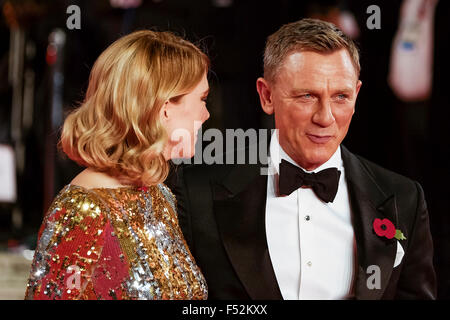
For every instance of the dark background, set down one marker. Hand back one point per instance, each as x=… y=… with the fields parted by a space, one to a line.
x=409 y=138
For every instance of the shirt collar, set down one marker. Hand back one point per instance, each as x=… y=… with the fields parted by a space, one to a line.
x=277 y=154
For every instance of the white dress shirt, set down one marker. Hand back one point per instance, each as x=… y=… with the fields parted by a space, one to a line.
x=311 y=243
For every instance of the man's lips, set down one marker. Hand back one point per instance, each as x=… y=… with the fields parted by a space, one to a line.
x=319 y=139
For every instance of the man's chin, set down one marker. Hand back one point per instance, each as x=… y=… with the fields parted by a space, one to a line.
x=317 y=158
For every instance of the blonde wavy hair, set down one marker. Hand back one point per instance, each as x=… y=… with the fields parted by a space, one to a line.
x=116 y=129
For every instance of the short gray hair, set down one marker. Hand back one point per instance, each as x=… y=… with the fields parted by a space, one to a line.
x=306 y=35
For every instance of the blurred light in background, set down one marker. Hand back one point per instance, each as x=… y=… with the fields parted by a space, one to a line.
x=7 y=175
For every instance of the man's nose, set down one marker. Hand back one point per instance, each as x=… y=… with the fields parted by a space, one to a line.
x=323 y=115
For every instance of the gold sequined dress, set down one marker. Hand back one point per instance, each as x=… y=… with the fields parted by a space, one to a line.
x=121 y=243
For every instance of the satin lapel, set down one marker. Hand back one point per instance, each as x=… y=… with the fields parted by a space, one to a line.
x=368 y=202
x=239 y=206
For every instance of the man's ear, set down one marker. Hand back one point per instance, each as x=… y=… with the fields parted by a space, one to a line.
x=358 y=86
x=265 y=95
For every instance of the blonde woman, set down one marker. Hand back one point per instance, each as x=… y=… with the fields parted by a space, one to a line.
x=112 y=232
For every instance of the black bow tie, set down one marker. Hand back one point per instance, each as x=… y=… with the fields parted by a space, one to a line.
x=324 y=183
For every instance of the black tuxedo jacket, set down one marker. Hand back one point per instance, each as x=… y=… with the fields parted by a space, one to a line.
x=221 y=210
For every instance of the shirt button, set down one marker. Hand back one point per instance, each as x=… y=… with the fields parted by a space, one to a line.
x=307 y=218
x=309 y=263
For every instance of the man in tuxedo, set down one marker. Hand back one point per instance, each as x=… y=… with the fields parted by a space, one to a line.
x=324 y=223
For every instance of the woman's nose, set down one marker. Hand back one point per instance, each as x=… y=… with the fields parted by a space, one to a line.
x=206 y=115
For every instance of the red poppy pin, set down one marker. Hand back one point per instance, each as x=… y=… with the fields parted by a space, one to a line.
x=385 y=228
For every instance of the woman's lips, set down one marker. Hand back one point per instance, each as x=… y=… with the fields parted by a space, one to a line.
x=319 y=139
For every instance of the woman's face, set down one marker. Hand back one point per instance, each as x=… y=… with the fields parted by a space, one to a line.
x=182 y=118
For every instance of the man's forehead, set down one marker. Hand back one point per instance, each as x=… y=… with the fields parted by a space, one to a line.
x=335 y=63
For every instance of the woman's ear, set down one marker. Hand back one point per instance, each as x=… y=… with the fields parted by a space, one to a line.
x=265 y=95
x=164 y=113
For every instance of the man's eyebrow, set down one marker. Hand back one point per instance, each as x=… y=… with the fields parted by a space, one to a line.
x=299 y=91
x=344 y=90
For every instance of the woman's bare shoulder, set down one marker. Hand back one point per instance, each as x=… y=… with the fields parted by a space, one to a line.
x=90 y=179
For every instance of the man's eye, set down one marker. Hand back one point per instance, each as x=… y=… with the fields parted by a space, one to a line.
x=342 y=96
x=306 y=96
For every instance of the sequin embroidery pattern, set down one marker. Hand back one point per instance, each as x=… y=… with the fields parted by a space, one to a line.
x=121 y=243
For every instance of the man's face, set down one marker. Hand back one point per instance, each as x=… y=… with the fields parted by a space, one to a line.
x=313 y=97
